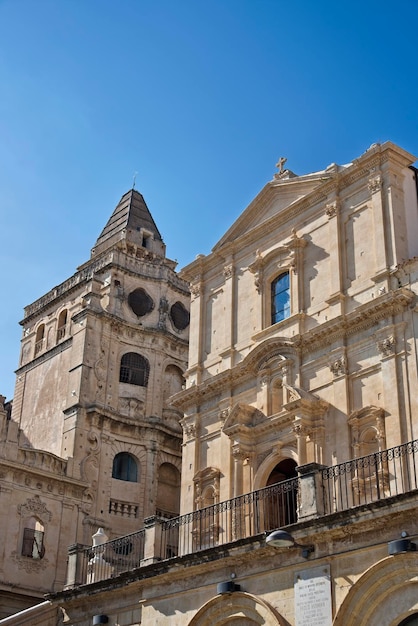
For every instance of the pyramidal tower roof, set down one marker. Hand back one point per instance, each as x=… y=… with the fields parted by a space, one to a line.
x=130 y=221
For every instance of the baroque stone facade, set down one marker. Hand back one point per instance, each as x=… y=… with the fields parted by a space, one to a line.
x=298 y=411
x=91 y=440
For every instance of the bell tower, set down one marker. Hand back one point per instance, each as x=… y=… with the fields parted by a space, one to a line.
x=101 y=354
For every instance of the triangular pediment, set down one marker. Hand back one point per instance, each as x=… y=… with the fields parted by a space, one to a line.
x=243 y=415
x=274 y=198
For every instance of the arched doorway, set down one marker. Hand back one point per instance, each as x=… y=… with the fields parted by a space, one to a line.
x=168 y=492
x=238 y=609
x=281 y=495
x=385 y=595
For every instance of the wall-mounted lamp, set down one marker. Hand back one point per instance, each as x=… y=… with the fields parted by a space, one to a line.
x=100 y=619
x=283 y=539
x=401 y=545
x=227 y=587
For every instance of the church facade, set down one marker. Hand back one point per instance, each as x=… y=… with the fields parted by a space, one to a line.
x=299 y=449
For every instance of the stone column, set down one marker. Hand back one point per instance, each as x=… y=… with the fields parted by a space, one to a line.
x=151 y=479
x=380 y=232
x=335 y=297
x=295 y=247
x=190 y=460
x=196 y=334
x=397 y=430
x=229 y=297
x=301 y=432
x=239 y=456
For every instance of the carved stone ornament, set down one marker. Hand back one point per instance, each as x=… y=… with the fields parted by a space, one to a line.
x=375 y=183
x=301 y=430
x=338 y=366
x=190 y=430
x=332 y=208
x=133 y=406
x=31 y=566
x=228 y=271
x=162 y=313
x=386 y=346
x=264 y=379
x=240 y=453
x=224 y=414
x=34 y=506
x=195 y=289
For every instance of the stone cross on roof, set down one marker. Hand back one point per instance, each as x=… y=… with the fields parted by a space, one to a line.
x=280 y=164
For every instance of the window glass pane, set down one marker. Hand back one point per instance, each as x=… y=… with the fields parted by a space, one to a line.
x=280 y=298
x=134 y=369
x=125 y=467
x=33 y=543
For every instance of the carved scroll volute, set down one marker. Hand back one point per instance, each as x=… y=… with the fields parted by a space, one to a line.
x=295 y=249
x=256 y=268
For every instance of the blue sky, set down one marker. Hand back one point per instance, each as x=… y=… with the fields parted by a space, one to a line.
x=200 y=98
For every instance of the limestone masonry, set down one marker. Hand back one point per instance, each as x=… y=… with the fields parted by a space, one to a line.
x=269 y=385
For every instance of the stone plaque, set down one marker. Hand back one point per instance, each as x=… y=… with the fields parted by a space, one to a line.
x=313 y=597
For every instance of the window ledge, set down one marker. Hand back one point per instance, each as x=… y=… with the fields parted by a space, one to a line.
x=289 y=324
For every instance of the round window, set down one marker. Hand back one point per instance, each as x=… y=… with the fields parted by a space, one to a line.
x=180 y=316
x=140 y=302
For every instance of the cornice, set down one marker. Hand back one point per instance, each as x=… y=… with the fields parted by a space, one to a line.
x=81 y=277
x=154 y=272
x=330 y=182
x=30 y=463
x=122 y=324
x=86 y=272
x=138 y=427
x=362 y=318
x=45 y=356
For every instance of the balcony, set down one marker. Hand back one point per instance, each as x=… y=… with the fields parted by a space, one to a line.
x=318 y=491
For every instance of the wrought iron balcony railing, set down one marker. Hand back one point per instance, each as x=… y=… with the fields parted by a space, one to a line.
x=341 y=487
x=107 y=560
x=370 y=478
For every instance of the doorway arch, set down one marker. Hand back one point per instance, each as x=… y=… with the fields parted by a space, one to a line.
x=235 y=609
x=281 y=500
x=385 y=595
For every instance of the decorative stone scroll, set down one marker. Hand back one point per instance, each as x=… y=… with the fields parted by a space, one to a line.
x=195 y=289
x=338 y=366
x=34 y=506
x=386 y=346
x=332 y=208
x=375 y=183
x=285 y=257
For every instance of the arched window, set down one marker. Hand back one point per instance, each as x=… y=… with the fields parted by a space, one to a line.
x=134 y=369
x=125 y=467
x=280 y=298
x=62 y=323
x=40 y=338
x=33 y=539
x=168 y=492
x=173 y=381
